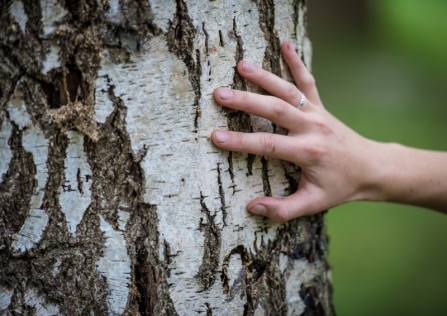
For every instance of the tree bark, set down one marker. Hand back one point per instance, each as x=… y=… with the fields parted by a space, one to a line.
x=113 y=200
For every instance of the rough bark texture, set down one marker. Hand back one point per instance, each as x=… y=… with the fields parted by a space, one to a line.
x=113 y=201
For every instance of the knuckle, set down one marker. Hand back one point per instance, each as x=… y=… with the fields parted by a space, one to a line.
x=314 y=150
x=238 y=141
x=322 y=124
x=280 y=108
x=292 y=91
x=281 y=215
x=309 y=80
x=268 y=143
x=245 y=97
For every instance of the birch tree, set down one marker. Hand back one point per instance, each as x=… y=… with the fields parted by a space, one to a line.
x=113 y=200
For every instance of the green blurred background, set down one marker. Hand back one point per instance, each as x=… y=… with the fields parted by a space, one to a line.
x=381 y=67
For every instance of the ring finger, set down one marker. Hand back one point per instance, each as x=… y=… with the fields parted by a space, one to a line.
x=279 y=87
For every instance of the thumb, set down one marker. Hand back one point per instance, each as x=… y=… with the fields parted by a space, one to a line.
x=283 y=209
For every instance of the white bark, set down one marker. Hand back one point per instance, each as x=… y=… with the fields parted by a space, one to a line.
x=160 y=119
x=5 y=150
x=5 y=299
x=41 y=308
x=114 y=264
x=18 y=12
x=52 y=12
x=34 y=142
x=76 y=195
x=51 y=60
x=205 y=239
x=31 y=232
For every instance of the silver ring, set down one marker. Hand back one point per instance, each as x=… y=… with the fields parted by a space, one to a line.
x=303 y=99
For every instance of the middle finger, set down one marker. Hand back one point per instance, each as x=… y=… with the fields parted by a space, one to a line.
x=269 y=107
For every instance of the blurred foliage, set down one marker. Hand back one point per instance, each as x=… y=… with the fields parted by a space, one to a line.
x=381 y=67
x=418 y=27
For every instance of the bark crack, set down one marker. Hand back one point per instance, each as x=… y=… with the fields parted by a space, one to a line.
x=239 y=120
x=180 y=39
x=265 y=177
x=206 y=38
x=272 y=54
x=210 y=261
x=223 y=206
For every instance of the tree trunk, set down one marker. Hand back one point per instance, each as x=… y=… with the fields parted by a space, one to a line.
x=113 y=199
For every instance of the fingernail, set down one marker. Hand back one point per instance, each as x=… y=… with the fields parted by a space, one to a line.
x=225 y=94
x=247 y=67
x=258 y=209
x=221 y=137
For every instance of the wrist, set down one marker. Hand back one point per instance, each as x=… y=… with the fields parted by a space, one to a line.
x=407 y=175
x=380 y=170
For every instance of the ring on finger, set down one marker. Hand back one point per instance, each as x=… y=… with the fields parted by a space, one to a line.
x=303 y=100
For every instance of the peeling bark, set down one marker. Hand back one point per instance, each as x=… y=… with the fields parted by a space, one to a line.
x=113 y=201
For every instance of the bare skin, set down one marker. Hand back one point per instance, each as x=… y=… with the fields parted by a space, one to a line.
x=338 y=165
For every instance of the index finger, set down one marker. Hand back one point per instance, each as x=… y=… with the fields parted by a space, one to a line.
x=263 y=144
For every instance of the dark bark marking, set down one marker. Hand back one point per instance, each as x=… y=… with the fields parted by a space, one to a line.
x=209 y=310
x=264 y=279
x=223 y=206
x=52 y=93
x=152 y=294
x=250 y=160
x=16 y=188
x=272 y=54
x=224 y=273
x=230 y=171
x=210 y=261
x=117 y=180
x=238 y=285
x=136 y=28
x=314 y=247
x=221 y=41
x=78 y=178
x=146 y=280
x=311 y=299
x=265 y=177
x=206 y=38
x=292 y=178
x=73 y=80
x=238 y=120
x=244 y=280
x=168 y=255
x=230 y=166
x=180 y=39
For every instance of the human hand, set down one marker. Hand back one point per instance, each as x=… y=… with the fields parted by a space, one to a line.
x=334 y=160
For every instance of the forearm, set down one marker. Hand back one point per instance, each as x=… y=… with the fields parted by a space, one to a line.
x=411 y=176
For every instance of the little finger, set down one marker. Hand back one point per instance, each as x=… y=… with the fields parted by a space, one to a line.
x=302 y=76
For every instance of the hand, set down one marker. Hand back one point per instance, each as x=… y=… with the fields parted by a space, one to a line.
x=334 y=159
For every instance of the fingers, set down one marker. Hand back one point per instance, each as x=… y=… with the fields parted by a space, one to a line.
x=263 y=144
x=301 y=203
x=278 y=87
x=302 y=76
x=271 y=108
